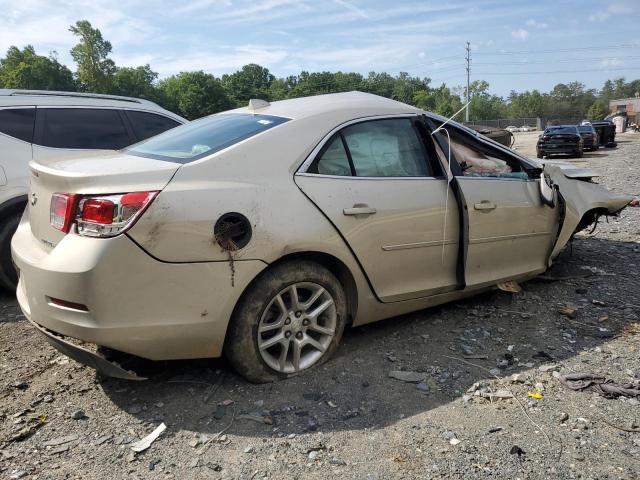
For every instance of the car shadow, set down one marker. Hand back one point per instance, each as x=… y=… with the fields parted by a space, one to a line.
x=353 y=390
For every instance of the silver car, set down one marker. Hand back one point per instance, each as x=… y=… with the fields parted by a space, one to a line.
x=262 y=232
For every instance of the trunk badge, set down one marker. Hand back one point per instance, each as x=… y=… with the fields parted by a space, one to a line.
x=34 y=199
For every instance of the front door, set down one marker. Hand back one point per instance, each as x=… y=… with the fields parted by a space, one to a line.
x=510 y=231
x=376 y=182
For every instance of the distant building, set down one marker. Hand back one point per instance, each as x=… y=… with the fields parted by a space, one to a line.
x=628 y=107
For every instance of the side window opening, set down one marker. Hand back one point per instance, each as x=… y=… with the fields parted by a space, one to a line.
x=386 y=148
x=84 y=128
x=18 y=123
x=147 y=124
x=479 y=160
x=333 y=159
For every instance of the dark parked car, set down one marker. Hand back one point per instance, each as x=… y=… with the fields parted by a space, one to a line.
x=589 y=137
x=560 y=139
x=606 y=132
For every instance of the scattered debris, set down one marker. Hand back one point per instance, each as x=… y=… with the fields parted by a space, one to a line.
x=570 y=312
x=60 y=441
x=259 y=418
x=409 y=377
x=78 y=415
x=600 y=385
x=548 y=368
x=535 y=395
x=495 y=429
x=510 y=286
x=146 y=442
x=516 y=450
x=563 y=417
x=33 y=424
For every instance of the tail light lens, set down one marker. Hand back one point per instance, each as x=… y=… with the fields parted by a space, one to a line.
x=62 y=209
x=98 y=215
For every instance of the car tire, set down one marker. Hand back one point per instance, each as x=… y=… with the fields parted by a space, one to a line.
x=539 y=154
x=247 y=336
x=579 y=153
x=8 y=273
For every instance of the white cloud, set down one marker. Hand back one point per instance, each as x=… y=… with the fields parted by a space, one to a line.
x=615 y=8
x=520 y=34
x=610 y=62
x=535 y=24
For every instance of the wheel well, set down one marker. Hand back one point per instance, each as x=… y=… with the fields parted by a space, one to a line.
x=591 y=217
x=339 y=269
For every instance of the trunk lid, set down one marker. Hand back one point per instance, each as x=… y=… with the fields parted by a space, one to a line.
x=98 y=174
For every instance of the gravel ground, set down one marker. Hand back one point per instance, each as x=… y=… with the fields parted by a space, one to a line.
x=349 y=419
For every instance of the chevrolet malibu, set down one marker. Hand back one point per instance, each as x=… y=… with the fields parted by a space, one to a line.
x=260 y=233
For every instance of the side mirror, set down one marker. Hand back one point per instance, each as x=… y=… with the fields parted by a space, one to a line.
x=547 y=190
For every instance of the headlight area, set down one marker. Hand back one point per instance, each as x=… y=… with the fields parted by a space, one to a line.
x=99 y=216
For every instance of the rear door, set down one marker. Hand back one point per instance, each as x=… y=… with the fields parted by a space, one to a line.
x=378 y=182
x=510 y=231
x=73 y=131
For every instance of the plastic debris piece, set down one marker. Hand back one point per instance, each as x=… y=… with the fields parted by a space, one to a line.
x=536 y=395
x=146 y=442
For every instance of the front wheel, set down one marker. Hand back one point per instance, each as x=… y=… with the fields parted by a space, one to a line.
x=290 y=320
x=539 y=154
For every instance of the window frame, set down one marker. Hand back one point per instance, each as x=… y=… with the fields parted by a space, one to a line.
x=315 y=156
x=33 y=129
x=41 y=115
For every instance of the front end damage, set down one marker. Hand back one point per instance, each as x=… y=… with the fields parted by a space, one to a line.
x=582 y=199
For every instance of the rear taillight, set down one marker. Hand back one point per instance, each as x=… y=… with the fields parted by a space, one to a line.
x=61 y=211
x=99 y=215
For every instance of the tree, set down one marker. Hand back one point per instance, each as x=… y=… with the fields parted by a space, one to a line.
x=25 y=69
x=252 y=81
x=95 y=68
x=194 y=94
x=598 y=110
x=135 y=82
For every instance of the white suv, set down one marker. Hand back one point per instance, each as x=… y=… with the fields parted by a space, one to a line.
x=43 y=125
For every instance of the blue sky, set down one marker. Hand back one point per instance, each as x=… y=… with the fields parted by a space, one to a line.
x=599 y=39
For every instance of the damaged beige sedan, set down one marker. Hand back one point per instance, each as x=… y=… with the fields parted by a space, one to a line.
x=260 y=233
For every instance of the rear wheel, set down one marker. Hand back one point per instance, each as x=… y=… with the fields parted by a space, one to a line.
x=539 y=154
x=8 y=274
x=290 y=320
x=579 y=153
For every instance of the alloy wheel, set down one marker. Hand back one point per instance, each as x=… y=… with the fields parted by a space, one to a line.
x=297 y=327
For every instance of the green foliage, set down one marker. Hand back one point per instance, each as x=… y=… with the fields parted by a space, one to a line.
x=252 y=81
x=598 y=110
x=136 y=82
x=95 y=68
x=194 y=94
x=25 y=69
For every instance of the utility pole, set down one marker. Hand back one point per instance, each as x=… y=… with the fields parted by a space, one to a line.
x=468 y=59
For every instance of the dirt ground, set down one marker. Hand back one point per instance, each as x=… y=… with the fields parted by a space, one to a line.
x=349 y=419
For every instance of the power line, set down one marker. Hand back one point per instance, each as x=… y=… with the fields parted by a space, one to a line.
x=561 y=50
x=604 y=70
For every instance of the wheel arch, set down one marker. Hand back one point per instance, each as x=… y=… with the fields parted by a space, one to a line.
x=330 y=262
x=12 y=206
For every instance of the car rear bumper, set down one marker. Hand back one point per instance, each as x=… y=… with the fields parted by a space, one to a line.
x=134 y=303
x=558 y=148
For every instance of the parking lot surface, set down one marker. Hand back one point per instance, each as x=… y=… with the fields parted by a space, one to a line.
x=487 y=403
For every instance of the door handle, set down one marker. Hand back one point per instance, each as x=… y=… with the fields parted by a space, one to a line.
x=485 y=205
x=359 y=209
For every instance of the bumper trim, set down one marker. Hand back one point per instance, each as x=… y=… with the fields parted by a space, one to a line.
x=86 y=357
